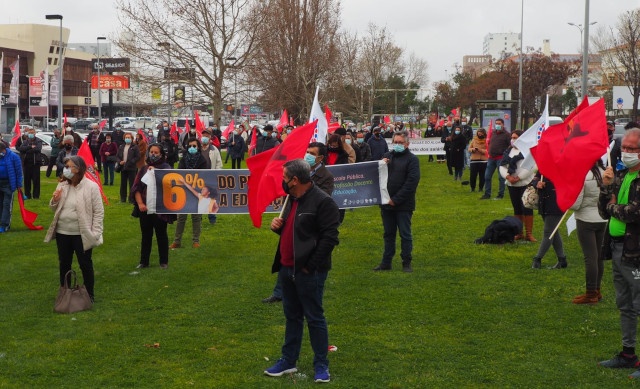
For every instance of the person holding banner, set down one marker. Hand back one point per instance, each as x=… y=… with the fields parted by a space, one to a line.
x=402 y=183
x=308 y=230
x=619 y=202
x=517 y=181
x=156 y=159
x=591 y=227
x=10 y=181
x=192 y=159
x=77 y=224
x=551 y=215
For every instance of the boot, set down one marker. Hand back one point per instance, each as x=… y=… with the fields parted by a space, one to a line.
x=561 y=264
x=528 y=223
x=537 y=263
x=591 y=298
x=519 y=236
x=406 y=266
x=599 y=294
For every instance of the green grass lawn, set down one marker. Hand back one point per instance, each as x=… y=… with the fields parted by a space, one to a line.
x=469 y=316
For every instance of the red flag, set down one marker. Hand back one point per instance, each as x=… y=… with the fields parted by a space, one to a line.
x=144 y=136
x=199 y=125
x=187 y=127
x=291 y=121
x=486 y=151
x=228 y=130
x=327 y=113
x=265 y=178
x=454 y=112
x=18 y=134
x=567 y=151
x=283 y=121
x=85 y=153
x=254 y=140
x=387 y=119
x=65 y=119
x=174 y=133
x=583 y=105
x=102 y=123
x=28 y=217
x=333 y=127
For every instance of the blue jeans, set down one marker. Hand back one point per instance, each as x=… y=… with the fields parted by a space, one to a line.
x=492 y=165
x=108 y=171
x=302 y=298
x=277 y=290
x=6 y=203
x=393 y=221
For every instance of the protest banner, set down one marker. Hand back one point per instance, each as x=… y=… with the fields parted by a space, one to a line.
x=185 y=191
x=426 y=146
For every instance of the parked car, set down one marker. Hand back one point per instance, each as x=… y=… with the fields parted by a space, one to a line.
x=45 y=137
x=555 y=120
x=621 y=121
x=82 y=124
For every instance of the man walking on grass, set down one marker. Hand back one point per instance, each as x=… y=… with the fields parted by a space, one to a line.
x=620 y=203
x=308 y=233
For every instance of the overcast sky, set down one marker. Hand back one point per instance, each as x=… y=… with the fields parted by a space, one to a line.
x=439 y=31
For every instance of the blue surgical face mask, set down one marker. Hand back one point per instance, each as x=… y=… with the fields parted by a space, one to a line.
x=449 y=127
x=235 y=133
x=498 y=127
x=311 y=159
x=193 y=150
x=360 y=140
x=2 y=154
x=464 y=123
x=273 y=135
x=127 y=141
x=398 y=148
x=31 y=136
x=348 y=141
x=457 y=132
x=68 y=173
x=288 y=131
x=205 y=139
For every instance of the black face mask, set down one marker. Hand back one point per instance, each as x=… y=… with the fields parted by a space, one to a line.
x=285 y=186
x=376 y=134
x=68 y=147
x=480 y=136
x=333 y=149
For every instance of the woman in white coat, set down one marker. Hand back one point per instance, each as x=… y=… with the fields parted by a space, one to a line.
x=591 y=228
x=517 y=180
x=77 y=222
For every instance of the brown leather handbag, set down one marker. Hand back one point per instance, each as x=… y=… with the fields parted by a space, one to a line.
x=72 y=299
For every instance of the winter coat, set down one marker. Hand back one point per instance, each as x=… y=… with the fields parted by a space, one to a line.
x=235 y=151
x=31 y=152
x=402 y=182
x=14 y=169
x=64 y=154
x=132 y=157
x=512 y=161
x=586 y=206
x=481 y=154
x=379 y=148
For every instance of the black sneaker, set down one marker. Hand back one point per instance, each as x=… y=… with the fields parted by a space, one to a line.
x=382 y=267
x=499 y=197
x=485 y=197
x=271 y=299
x=621 y=361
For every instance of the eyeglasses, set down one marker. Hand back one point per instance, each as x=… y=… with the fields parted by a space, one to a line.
x=629 y=149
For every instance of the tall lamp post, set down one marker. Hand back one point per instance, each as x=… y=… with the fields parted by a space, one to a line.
x=584 y=40
x=167 y=45
x=59 y=17
x=99 y=70
x=235 y=82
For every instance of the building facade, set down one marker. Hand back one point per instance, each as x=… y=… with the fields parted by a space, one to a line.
x=501 y=45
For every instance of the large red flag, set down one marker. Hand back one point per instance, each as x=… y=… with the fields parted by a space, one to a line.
x=199 y=125
x=187 y=127
x=387 y=119
x=283 y=121
x=228 y=130
x=567 y=151
x=85 y=153
x=265 y=177
x=18 y=134
x=327 y=113
x=332 y=127
x=102 y=123
x=28 y=217
x=583 y=105
x=174 y=133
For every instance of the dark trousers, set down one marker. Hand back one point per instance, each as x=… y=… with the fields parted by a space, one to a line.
x=393 y=222
x=591 y=236
x=95 y=152
x=148 y=224
x=52 y=163
x=126 y=182
x=67 y=245
x=476 y=171
x=31 y=176
x=550 y=223
x=449 y=162
x=302 y=299
x=235 y=163
x=515 y=193
x=6 y=203
x=108 y=172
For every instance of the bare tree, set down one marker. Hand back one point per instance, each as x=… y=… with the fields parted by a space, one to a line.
x=201 y=35
x=620 y=51
x=295 y=54
x=416 y=70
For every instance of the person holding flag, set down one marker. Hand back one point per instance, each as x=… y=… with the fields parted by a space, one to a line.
x=619 y=203
x=10 y=181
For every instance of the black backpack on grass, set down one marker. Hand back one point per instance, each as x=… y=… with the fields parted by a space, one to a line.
x=501 y=231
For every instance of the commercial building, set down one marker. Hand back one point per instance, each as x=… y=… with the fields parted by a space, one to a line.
x=501 y=45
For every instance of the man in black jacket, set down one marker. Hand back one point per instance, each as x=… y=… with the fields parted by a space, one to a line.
x=402 y=182
x=31 y=150
x=308 y=233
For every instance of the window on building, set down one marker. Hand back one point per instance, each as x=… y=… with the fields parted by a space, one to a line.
x=49 y=60
x=55 y=61
x=50 y=49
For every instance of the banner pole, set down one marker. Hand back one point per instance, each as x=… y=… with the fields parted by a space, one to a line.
x=609 y=155
x=284 y=205
x=558 y=226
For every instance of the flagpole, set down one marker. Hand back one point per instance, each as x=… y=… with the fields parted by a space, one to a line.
x=558 y=226
x=284 y=205
x=18 y=93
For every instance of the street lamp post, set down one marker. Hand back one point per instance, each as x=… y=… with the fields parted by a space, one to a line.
x=60 y=106
x=100 y=38
x=584 y=40
x=235 y=82
x=167 y=45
